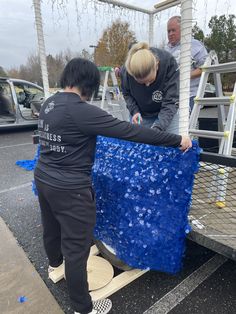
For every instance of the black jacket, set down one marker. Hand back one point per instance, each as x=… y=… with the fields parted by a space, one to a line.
x=161 y=97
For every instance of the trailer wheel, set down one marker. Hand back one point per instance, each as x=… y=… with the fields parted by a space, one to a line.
x=109 y=255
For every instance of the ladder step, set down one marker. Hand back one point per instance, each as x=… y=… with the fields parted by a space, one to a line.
x=208 y=134
x=225 y=105
x=214 y=101
x=233 y=151
x=220 y=68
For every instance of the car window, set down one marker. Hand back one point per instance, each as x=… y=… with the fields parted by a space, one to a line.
x=26 y=93
x=34 y=90
x=210 y=87
x=6 y=100
x=29 y=98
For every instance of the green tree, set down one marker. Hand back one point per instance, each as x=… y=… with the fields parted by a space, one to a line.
x=112 y=47
x=222 y=38
x=197 y=33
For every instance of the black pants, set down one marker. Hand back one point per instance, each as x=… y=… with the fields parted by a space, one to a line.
x=68 y=218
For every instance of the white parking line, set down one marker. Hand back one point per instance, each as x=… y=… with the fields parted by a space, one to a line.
x=16 y=187
x=182 y=290
x=9 y=146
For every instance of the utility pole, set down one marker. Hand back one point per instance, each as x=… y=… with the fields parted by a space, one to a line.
x=93 y=46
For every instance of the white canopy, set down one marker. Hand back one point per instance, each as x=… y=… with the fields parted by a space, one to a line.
x=150 y=7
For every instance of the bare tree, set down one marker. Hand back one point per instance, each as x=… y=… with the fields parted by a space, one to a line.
x=55 y=64
x=86 y=55
x=2 y=72
x=14 y=73
x=55 y=67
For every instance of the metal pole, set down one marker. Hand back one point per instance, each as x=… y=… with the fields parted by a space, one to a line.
x=185 y=65
x=126 y=5
x=163 y=5
x=166 y=4
x=158 y=8
x=151 y=29
x=41 y=46
x=94 y=50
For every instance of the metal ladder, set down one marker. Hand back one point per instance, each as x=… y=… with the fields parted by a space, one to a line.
x=105 y=95
x=114 y=105
x=226 y=105
x=226 y=110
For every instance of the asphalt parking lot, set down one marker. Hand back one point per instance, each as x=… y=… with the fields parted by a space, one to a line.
x=207 y=283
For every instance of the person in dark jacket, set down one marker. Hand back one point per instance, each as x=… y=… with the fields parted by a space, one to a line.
x=150 y=86
x=68 y=127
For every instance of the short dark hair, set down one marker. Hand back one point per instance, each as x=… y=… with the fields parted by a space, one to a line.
x=81 y=73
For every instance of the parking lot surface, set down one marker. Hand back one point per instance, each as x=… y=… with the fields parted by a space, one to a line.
x=207 y=283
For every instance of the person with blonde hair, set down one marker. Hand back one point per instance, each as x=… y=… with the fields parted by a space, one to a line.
x=150 y=86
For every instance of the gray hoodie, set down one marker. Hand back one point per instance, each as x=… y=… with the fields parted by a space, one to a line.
x=160 y=99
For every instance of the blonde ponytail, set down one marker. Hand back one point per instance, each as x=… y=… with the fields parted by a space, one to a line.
x=140 y=60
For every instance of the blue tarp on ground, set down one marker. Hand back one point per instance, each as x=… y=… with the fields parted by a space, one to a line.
x=29 y=164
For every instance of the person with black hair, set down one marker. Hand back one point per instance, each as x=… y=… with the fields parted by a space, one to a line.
x=68 y=127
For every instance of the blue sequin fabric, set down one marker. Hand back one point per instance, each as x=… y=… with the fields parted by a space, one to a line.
x=29 y=164
x=143 y=195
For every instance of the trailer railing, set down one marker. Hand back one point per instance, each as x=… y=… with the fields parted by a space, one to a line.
x=213 y=210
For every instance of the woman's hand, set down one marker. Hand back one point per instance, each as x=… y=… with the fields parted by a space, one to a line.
x=137 y=119
x=186 y=143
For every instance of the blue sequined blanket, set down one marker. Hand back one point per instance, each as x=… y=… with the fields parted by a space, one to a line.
x=143 y=195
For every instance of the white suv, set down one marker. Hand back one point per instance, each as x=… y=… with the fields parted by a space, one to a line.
x=20 y=103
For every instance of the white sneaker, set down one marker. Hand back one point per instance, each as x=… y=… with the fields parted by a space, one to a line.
x=100 y=307
x=52 y=269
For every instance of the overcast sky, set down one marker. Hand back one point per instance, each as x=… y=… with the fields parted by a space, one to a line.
x=78 y=28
